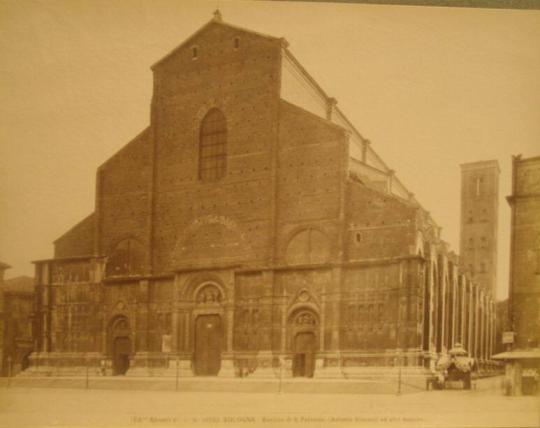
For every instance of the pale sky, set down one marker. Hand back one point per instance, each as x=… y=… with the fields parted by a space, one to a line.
x=430 y=87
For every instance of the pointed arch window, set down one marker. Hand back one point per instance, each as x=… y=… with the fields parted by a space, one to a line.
x=213 y=146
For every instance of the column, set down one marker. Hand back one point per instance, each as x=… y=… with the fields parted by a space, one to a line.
x=140 y=363
x=330 y=107
x=432 y=306
x=335 y=301
x=365 y=146
x=493 y=328
x=477 y=321
x=482 y=323
x=490 y=329
x=462 y=309
x=470 y=318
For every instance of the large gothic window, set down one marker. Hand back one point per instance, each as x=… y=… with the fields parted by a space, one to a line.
x=213 y=146
x=128 y=258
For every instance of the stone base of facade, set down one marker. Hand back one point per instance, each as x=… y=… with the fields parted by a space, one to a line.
x=227 y=369
x=65 y=364
x=262 y=365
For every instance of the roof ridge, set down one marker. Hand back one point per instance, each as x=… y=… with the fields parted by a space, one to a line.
x=217 y=21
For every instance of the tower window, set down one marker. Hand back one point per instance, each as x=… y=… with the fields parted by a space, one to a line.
x=194 y=52
x=484 y=242
x=478 y=185
x=358 y=237
x=236 y=42
x=213 y=146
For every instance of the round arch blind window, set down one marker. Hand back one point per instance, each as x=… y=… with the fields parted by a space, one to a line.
x=213 y=146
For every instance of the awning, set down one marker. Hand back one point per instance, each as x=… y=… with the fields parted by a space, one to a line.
x=518 y=354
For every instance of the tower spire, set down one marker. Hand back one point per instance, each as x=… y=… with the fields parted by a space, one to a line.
x=217 y=16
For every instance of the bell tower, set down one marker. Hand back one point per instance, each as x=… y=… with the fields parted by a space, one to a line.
x=479 y=208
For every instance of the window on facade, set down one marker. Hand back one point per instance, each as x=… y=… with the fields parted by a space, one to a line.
x=213 y=146
x=482 y=267
x=236 y=42
x=470 y=243
x=128 y=258
x=195 y=52
x=484 y=242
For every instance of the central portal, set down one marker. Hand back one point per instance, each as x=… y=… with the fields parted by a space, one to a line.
x=119 y=344
x=121 y=352
x=304 y=354
x=208 y=336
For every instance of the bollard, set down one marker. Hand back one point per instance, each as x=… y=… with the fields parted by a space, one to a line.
x=177 y=372
x=87 y=380
x=280 y=390
x=399 y=380
x=9 y=371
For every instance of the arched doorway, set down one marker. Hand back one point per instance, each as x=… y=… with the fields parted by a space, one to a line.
x=208 y=335
x=208 y=332
x=121 y=353
x=304 y=354
x=120 y=345
x=25 y=361
x=304 y=329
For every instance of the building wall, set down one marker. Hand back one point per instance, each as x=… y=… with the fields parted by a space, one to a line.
x=379 y=225
x=525 y=252
x=311 y=170
x=479 y=221
x=16 y=341
x=123 y=203
x=78 y=241
x=244 y=84
x=286 y=242
x=3 y=268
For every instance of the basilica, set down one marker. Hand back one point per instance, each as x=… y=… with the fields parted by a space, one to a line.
x=251 y=230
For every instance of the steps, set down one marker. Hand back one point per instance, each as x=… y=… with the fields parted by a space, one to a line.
x=211 y=384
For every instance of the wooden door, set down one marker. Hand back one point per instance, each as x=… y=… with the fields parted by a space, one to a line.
x=121 y=353
x=208 y=336
x=304 y=358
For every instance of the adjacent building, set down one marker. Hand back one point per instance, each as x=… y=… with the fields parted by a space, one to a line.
x=16 y=309
x=251 y=230
x=3 y=268
x=18 y=301
x=523 y=360
x=478 y=248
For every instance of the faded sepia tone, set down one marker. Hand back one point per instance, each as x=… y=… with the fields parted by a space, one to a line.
x=271 y=224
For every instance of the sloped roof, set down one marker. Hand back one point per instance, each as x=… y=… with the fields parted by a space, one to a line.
x=88 y=218
x=216 y=20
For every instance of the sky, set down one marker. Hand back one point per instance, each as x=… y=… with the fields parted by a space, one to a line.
x=430 y=87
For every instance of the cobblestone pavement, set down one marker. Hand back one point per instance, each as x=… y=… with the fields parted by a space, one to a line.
x=48 y=407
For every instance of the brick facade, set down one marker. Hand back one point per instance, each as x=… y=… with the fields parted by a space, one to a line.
x=524 y=301
x=301 y=259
